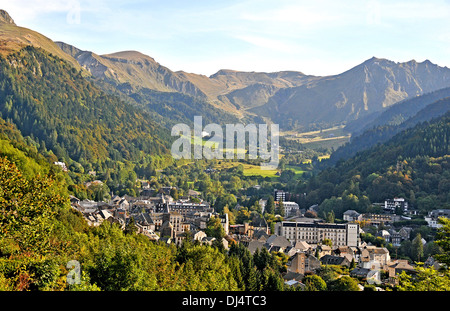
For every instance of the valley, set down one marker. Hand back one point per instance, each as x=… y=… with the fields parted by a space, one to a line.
x=87 y=175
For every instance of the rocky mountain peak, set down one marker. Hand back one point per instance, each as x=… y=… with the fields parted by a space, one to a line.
x=5 y=18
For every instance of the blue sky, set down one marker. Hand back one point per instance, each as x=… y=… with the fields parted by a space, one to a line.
x=321 y=37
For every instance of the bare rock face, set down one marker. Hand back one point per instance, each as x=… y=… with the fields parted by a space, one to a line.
x=5 y=18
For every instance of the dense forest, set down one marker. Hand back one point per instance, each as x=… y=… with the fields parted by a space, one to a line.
x=384 y=132
x=63 y=112
x=414 y=164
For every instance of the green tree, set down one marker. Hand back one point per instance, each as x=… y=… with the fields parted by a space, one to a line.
x=426 y=279
x=443 y=240
x=27 y=208
x=280 y=208
x=214 y=228
x=131 y=227
x=174 y=193
x=327 y=242
x=330 y=217
x=314 y=283
x=270 y=205
x=344 y=283
x=417 y=247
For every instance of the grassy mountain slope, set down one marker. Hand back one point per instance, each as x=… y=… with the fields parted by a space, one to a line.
x=366 y=88
x=397 y=113
x=13 y=38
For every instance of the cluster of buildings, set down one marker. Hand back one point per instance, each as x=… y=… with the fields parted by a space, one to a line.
x=291 y=208
x=159 y=217
x=304 y=240
x=433 y=217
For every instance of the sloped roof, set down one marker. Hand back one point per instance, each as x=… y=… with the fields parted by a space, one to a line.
x=293 y=276
x=334 y=260
x=361 y=272
x=302 y=245
x=402 y=265
x=143 y=218
x=254 y=245
x=281 y=241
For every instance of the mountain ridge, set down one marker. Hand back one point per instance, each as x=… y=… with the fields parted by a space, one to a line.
x=369 y=87
x=13 y=38
x=284 y=97
x=290 y=98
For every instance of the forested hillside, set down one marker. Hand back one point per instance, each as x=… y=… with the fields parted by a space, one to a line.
x=170 y=108
x=41 y=234
x=61 y=111
x=397 y=113
x=414 y=164
x=387 y=130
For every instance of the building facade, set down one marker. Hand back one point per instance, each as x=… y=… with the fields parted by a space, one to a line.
x=280 y=195
x=290 y=208
x=315 y=233
x=391 y=204
x=433 y=216
x=187 y=207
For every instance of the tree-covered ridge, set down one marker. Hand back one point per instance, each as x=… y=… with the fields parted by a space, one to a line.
x=414 y=164
x=169 y=108
x=51 y=102
x=383 y=133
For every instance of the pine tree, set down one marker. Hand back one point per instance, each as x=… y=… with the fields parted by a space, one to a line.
x=270 y=205
x=417 y=247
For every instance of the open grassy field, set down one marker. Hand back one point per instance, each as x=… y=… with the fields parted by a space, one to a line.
x=320 y=158
x=249 y=169
x=298 y=171
x=256 y=170
x=326 y=138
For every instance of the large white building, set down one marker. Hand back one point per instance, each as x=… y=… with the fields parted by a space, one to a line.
x=391 y=204
x=314 y=233
x=290 y=208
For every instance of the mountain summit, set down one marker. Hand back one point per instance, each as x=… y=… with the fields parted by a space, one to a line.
x=14 y=38
x=5 y=18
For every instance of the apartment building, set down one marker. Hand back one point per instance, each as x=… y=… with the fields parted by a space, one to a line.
x=316 y=232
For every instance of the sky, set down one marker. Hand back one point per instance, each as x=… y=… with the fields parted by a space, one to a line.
x=316 y=37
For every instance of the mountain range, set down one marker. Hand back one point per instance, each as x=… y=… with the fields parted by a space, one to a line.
x=290 y=98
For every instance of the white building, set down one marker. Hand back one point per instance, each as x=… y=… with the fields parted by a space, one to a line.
x=290 y=208
x=391 y=204
x=432 y=217
x=314 y=233
x=279 y=195
x=352 y=215
x=62 y=165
